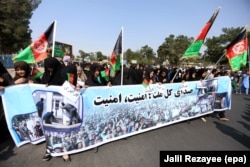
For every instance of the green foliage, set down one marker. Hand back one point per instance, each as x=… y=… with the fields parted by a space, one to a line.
x=145 y=55
x=100 y=56
x=15 y=32
x=173 y=48
x=85 y=56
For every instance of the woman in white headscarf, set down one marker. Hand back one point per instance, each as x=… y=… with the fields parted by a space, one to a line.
x=81 y=77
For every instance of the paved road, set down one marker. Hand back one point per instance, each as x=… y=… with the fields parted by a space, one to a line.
x=143 y=150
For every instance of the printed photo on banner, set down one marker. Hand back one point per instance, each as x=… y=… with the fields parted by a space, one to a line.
x=58 y=112
x=28 y=127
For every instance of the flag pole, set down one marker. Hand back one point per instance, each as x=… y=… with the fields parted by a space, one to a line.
x=172 y=80
x=54 y=36
x=220 y=59
x=122 y=60
x=216 y=64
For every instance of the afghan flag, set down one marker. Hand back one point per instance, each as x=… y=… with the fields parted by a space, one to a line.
x=36 y=73
x=236 y=51
x=37 y=50
x=145 y=83
x=116 y=54
x=105 y=74
x=70 y=78
x=194 y=48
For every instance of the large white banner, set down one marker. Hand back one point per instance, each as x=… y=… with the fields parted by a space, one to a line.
x=72 y=122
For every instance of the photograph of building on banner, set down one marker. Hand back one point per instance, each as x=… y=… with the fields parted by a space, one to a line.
x=209 y=88
x=59 y=112
x=105 y=114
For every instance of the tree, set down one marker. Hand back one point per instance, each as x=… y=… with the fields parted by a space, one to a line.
x=147 y=55
x=15 y=32
x=97 y=56
x=100 y=56
x=129 y=55
x=173 y=48
x=83 y=55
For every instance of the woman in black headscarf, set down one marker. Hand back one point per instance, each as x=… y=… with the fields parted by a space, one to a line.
x=71 y=72
x=126 y=80
x=5 y=77
x=5 y=80
x=53 y=72
x=95 y=78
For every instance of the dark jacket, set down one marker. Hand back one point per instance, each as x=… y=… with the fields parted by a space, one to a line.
x=57 y=76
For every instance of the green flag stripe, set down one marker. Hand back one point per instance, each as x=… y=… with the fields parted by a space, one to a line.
x=26 y=55
x=118 y=63
x=38 y=75
x=193 y=49
x=103 y=74
x=68 y=76
x=237 y=62
x=144 y=84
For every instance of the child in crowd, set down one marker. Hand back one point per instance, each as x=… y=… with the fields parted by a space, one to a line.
x=22 y=73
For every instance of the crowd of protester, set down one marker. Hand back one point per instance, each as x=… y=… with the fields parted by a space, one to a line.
x=135 y=74
x=95 y=74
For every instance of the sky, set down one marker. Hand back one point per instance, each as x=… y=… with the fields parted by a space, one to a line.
x=94 y=25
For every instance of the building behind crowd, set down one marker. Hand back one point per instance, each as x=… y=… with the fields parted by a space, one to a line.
x=6 y=60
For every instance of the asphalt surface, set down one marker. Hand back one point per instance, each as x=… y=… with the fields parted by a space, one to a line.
x=143 y=150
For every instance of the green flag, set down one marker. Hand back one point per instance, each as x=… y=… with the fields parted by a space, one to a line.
x=105 y=74
x=36 y=73
x=145 y=83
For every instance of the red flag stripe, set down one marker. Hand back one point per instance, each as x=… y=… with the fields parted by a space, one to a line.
x=207 y=27
x=113 y=58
